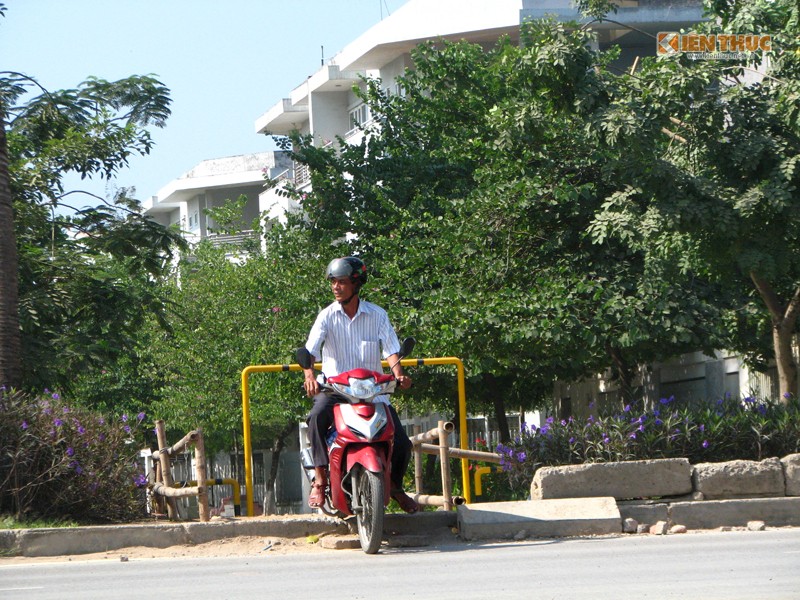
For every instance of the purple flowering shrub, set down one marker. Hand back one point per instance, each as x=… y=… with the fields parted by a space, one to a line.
x=64 y=462
x=726 y=429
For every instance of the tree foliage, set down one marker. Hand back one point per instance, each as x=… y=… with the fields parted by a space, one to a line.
x=724 y=203
x=476 y=193
x=86 y=279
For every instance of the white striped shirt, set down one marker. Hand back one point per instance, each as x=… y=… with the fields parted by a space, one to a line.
x=360 y=342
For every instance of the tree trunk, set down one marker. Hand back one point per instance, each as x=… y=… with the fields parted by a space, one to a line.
x=784 y=322
x=625 y=374
x=492 y=392
x=10 y=336
x=278 y=444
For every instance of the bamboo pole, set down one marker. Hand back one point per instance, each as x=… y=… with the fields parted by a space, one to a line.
x=170 y=492
x=189 y=438
x=417 y=463
x=160 y=501
x=166 y=473
x=201 y=475
x=444 y=456
x=433 y=434
x=430 y=500
x=459 y=453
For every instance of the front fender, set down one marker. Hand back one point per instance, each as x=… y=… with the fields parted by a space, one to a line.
x=368 y=456
x=372 y=458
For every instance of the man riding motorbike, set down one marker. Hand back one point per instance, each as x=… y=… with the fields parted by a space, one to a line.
x=352 y=333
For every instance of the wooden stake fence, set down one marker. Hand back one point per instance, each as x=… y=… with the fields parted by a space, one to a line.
x=422 y=446
x=163 y=480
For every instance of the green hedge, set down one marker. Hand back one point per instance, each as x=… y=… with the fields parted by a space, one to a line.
x=722 y=430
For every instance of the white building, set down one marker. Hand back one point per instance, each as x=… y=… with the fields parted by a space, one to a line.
x=211 y=183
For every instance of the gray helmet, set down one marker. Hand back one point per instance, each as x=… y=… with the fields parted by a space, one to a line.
x=348 y=266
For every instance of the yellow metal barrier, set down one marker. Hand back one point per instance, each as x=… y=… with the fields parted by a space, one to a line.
x=406 y=362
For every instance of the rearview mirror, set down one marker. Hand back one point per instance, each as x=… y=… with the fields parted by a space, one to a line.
x=407 y=347
x=304 y=358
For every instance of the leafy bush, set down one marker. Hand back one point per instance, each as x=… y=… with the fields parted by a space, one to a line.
x=727 y=429
x=59 y=461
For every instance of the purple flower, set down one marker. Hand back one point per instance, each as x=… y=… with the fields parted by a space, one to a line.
x=787 y=395
x=521 y=456
x=749 y=400
x=544 y=430
x=55 y=396
x=702 y=427
x=627 y=408
x=659 y=422
x=124 y=418
x=706 y=444
x=572 y=440
x=140 y=480
x=58 y=422
x=81 y=429
x=140 y=417
x=24 y=425
x=606 y=439
x=101 y=421
x=70 y=451
x=127 y=428
x=632 y=435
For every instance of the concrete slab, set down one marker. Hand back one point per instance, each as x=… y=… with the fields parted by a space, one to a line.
x=628 y=479
x=421 y=523
x=540 y=518
x=710 y=514
x=644 y=512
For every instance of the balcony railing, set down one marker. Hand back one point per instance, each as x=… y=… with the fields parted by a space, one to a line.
x=301 y=175
x=238 y=239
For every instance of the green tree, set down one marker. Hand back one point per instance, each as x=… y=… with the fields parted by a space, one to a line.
x=475 y=197
x=231 y=310
x=724 y=203
x=74 y=287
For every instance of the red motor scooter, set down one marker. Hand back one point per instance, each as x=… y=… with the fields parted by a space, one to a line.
x=359 y=448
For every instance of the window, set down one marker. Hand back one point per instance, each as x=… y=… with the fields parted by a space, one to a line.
x=359 y=116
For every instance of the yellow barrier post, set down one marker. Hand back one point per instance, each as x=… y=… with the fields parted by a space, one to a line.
x=406 y=362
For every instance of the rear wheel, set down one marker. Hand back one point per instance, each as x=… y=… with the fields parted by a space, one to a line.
x=370 y=493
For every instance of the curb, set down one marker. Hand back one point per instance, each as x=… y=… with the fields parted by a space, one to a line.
x=102 y=538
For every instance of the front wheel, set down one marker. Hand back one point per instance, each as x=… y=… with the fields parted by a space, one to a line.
x=370 y=492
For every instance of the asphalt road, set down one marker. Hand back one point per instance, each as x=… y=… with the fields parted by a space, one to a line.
x=708 y=565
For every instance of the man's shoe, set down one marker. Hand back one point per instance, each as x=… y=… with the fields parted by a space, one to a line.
x=406 y=502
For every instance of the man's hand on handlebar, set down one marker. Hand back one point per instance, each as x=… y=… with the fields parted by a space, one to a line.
x=404 y=381
x=310 y=384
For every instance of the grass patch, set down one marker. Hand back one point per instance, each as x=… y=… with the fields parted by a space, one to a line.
x=10 y=522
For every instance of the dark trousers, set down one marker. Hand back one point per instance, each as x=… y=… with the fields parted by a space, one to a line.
x=320 y=420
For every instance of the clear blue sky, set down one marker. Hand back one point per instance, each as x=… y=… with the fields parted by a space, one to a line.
x=225 y=61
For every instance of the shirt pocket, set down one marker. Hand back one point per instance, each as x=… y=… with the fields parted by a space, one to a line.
x=371 y=355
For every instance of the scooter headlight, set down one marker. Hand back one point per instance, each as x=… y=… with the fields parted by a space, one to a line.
x=360 y=388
